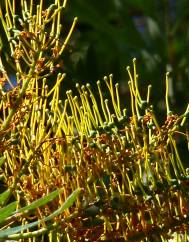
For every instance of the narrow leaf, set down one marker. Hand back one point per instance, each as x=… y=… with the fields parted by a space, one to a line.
x=7 y=211
x=4 y=196
x=2 y=159
x=68 y=203
x=40 y=202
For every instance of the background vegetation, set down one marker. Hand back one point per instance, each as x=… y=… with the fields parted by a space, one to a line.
x=112 y=32
x=89 y=167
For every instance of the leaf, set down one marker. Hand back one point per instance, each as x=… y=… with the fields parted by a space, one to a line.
x=40 y=202
x=4 y=196
x=5 y=212
x=68 y=203
x=153 y=28
x=2 y=159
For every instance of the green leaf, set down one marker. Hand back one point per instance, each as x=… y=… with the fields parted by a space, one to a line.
x=2 y=159
x=4 y=196
x=7 y=211
x=40 y=202
x=68 y=203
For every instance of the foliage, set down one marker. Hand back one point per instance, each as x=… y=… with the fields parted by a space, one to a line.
x=122 y=168
x=111 y=32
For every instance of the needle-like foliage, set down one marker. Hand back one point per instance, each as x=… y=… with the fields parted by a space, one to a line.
x=121 y=167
